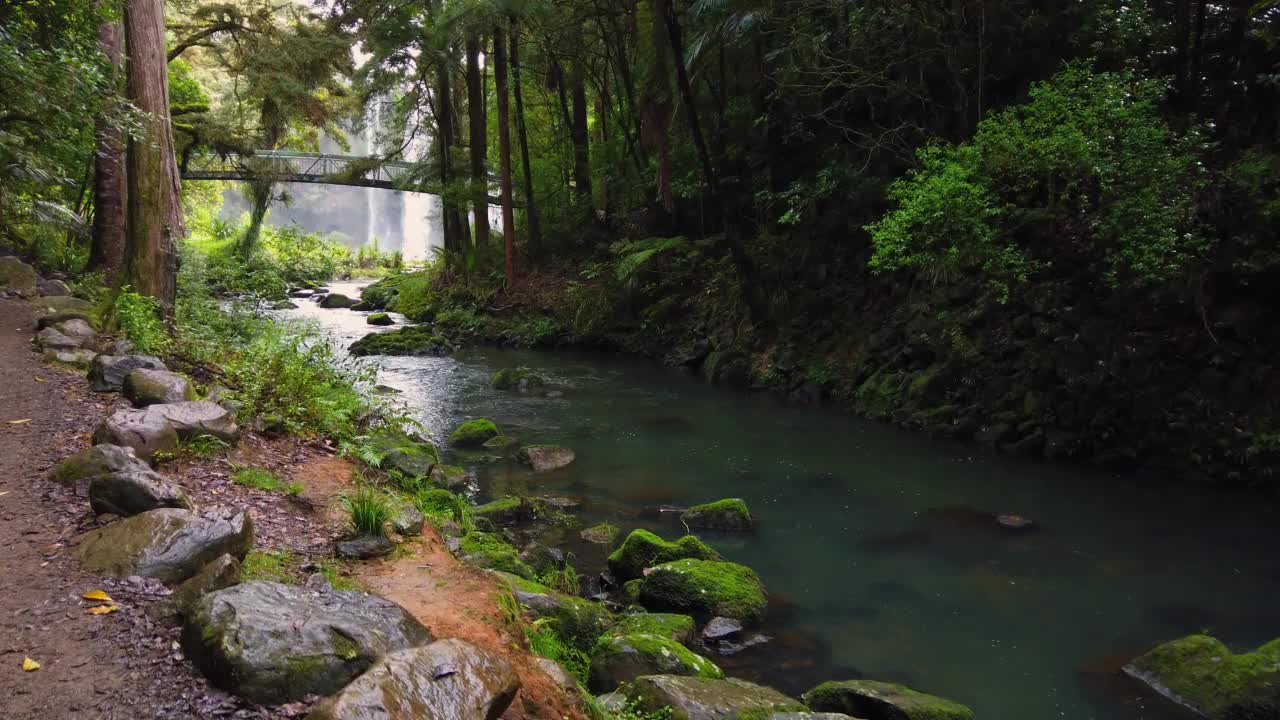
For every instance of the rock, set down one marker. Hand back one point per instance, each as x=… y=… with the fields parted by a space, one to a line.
x=197 y=417
x=450 y=477
x=507 y=511
x=84 y=466
x=561 y=677
x=147 y=434
x=545 y=457
x=446 y=680
x=486 y=550
x=1200 y=673
x=108 y=372
x=361 y=306
x=379 y=318
x=77 y=329
x=807 y=716
x=170 y=545
x=52 y=287
x=601 y=534
x=614 y=702
x=705 y=588
x=336 y=300
x=221 y=573
x=543 y=559
x=301 y=293
x=50 y=317
x=696 y=698
x=623 y=658
x=667 y=625
x=133 y=492
x=727 y=514
x=521 y=379
x=284 y=305
x=18 y=277
x=720 y=629
x=875 y=700
x=364 y=547
x=410 y=457
x=274 y=643
x=408 y=520
x=51 y=339
x=642 y=549
x=473 y=433
x=499 y=442
x=145 y=387
x=79 y=358
x=62 y=303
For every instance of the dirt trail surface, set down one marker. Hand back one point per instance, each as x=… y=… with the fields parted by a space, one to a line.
x=117 y=666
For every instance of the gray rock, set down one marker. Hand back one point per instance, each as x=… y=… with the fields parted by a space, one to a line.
x=698 y=698
x=545 y=457
x=145 y=387
x=408 y=520
x=51 y=339
x=52 y=287
x=77 y=329
x=76 y=357
x=147 y=434
x=197 y=417
x=274 y=643
x=301 y=293
x=284 y=305
x=130 y=493
x=17 y=276
x=108 y=372
x=221 y=573
x=557 y=673
x=79 y=469
x=50 y=317
x=61 y=303
x=877 y=700
x=170 y=545
x=446 y=680
x=336 y=300
x=614 y=702
x=722 y=629
x=364 y=547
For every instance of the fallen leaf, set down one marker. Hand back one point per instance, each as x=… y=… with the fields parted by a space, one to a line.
x=98 y=595
x=102 y=609
x=40 y=379
x=2 y=494
x=19 y=422
x=28 y=664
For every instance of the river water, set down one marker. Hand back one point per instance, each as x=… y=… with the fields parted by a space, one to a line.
x=876 y=544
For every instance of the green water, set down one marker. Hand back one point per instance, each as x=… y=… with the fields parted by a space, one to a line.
x=873 y=542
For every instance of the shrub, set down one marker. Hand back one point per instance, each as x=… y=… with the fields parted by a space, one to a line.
x=369 y=508
x=139 y=317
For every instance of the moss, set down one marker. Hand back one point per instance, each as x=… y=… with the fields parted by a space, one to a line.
x=603 y=534
x=622 y=658
x=281 y=567
x=488 y=551
x=403 y=454
x=668 y=625
x=1200 y=672
x=643 y=549
x=379 y=318
x=437 y=504
x=500 y=442
x=514 y=378
x=706 y=588
x=507 y=511
x=631 y=590
x=448 y=476
x=473 y=433
x=409 y=340
x=872 y=698
x=727 y=514
x=523 y=584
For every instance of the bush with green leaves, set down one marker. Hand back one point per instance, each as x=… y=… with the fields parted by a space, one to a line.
x=1086 y=172
x=139 y=317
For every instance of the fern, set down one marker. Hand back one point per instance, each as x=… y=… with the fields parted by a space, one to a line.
x=633 y=256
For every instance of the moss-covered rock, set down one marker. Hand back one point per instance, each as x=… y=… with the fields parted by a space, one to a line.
x=336 y=300
x=499 y=442
x=413 y=340
x=631 y=591
x=643 y=549
x=601 y=534
x=877 y=700
x=507 y=511
x=705 y=588
x=450 y=477
x=520 y=378
x=1202 y=674
x=379 y=318
x=622 y=658
x=473 y=433
x=486 y=550
x=699 y=698
x=579 y=622
x=727 y=514
x=545 y=457
x=667 y=625
x=405 y=455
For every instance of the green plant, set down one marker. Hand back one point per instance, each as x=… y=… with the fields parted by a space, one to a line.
x=369 y=508
x=545 y=640
x=139 y=317
x=202 y=445
x=562 y=579
x=264 y=480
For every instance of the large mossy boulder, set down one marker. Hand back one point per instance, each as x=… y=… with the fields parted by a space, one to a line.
x=133 y=492
x=144 y=387
x=473 y=433
x=1200 y=673
x=168 y=544
x=601 y=534
x=446 y=680
x=484 y=550
x=275 y=643
x=18 y=277
x=875 y=700
x=705 y=588
x=727 y=514
x=508 y=511
x=619 y=659
x=379 y=318
x=80 y=469
x=107 y=373
x=408 y=456
x=542 y=458
x=336 y=300
x=146 y=434
x=671 y=626
x=642 y=549
x=698 y=698
x=413 y=340
x=580 y=622
x=520 y=378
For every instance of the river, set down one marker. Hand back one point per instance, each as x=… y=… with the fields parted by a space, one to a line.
x=874 y=542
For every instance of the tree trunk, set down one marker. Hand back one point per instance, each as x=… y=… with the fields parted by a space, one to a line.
x=109 y=191
x=581 y=137
x=479 y=141
x=655 y=106
x=451 y=217
x=155 y=192
x=530 y=208
x=259 y=196
x=504 y=153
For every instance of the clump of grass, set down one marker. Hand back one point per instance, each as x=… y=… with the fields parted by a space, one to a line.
x=545 y=640
x=264 y=480
x=563 y=579
x=203 y=446
x=370 y=508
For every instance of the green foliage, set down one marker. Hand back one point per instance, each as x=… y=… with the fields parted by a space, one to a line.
x=284 y=566
x=369 y=509
x=139 y=317
x=546 y=641
x=563 y=579
x=264 y=480
x=634 y=256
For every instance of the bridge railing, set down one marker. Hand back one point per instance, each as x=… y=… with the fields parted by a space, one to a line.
x=293 y=166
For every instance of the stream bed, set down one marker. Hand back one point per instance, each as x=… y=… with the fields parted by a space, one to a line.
x=877 y=545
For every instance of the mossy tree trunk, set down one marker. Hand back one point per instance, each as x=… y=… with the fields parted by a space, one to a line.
x=504 y=152
x=154 y=219
x=109 y=191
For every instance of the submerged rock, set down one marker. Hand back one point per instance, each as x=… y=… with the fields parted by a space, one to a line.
x=520 y=378
x=108 y=372
x=875 y=700
x=144 y=387
x=145 y=433
x=642 y=549
x=18 y=277
x=697 y=698
x=473 y=433
x=336 y=300
x=168 y=544
x=705 y=588
x=623 y=658
x=79 y=469
x=1200 y=673
x=721 y=629
x=446 y=680
x=274 y=643
x=413 y=340
x=545 y=457
x=132 y=492
x=601 y=534
x=499 y=442
x=727 y=514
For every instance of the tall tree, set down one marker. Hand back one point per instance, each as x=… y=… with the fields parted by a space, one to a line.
x=107 y=252
x=479 y=140
x=530 y=206
x=154 y=218
x=504 y=152
x=578 y=131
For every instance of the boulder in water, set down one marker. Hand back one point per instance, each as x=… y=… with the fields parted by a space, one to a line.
x=336 y=300
x=721 y=629
x=727 y=514
x=601 y=534
x=446 y=680
x=168 y=544
x=545 y=457
x=147 y=434
x=507 y=511
x=89 y=463
x=623 y=658
x=132 y=492
x=379 y=318
x=521 y=379
x=108 y=372
x=876 y=700
x=301 y=293
x=18 y=277
x=499 y=442
x=642 y=549
x=197 y=417
x=450 y=477
x=705 y=588
x=1203 y=675
x=473 y=433
x=145 y=387
x=275 y=643
x=284 y=305
x=699 y=698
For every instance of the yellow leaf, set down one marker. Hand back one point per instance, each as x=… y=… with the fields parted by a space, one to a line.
x=19 y=422
x=40 y=379
x=2 y=494
x=98 y=595
x=102 y=609
x=28 y=664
